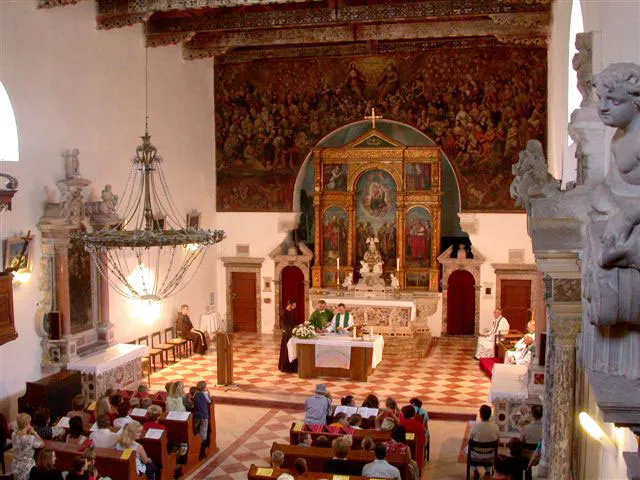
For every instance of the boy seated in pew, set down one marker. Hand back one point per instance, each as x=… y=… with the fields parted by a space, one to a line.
x=304 y=440
x=104 y=437
x=153 y=413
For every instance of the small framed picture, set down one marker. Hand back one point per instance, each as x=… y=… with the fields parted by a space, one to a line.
x=14 y=258
x=193 y=220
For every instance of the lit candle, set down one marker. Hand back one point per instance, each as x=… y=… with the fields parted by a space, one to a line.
x=397 y=264
x=338 y=263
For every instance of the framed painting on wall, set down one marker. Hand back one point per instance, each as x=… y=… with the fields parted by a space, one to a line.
x=13 y=254
x=417 y=280
x=334 y=235
x=335 y=178
x=193 y=220
x=418 y=176
x=418 y=227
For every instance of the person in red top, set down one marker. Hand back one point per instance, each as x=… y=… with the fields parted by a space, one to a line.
x=413 y=425
x=153 y=413
x=397 y=442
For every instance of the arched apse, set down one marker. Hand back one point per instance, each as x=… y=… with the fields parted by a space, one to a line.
x=401 y=132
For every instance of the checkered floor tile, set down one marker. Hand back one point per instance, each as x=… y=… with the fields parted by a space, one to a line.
x=448 y=376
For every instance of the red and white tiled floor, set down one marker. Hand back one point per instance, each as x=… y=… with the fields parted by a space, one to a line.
x=447 y=377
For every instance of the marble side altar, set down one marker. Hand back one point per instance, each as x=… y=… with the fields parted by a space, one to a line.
x=119 y=366
x=400 y=317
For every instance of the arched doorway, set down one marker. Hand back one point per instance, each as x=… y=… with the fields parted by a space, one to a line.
x=461 y=303
x=292 y=287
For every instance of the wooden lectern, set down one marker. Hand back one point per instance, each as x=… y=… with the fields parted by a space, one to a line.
x=224 y=351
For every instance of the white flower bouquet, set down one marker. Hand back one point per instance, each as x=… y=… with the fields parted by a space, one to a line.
x=304 y=330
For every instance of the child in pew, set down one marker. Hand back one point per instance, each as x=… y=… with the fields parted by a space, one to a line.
x=78 y=404
x=75 y=434
x=277 y=459
x=144 y=466
x=142 y=391
x=92 y=472
x=201 y=401
x=355 y=422
x=300 y=468
x=153 y=413
x=78 y=469
x=304 y=440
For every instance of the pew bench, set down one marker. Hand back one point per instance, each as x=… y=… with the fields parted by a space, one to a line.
x=317 y=457
x=275 y=472
x=358 y=435
x=158 y=451
x=109 y=462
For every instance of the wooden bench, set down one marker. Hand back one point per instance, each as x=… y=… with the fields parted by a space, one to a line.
x=358 y=436
x=109 y=461
x=158 y=451
x=317 y=457
x=253 y=474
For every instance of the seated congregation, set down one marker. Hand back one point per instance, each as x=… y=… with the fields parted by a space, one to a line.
x=124 y=435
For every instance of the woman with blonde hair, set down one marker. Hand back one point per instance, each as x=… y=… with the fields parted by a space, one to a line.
x=103 y=407
x=132 y=432
x=25 y=440
x=175 y=400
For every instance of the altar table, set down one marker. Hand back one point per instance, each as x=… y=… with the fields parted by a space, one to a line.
x=334 y=355
x=119 y=366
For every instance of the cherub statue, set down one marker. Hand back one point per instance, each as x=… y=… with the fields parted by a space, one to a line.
x=109 y=201
x=348 y=280
x=395 y=283
x=617 y=199
x=71 y=164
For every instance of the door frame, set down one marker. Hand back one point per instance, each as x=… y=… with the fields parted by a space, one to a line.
x=517 y=271
x=243 y=265
x=476 y=290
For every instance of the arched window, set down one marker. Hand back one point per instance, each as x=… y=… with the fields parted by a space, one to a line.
x=9 y=151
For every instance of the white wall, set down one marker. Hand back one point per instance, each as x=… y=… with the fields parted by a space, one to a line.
x=493 y=235
x=73 y=86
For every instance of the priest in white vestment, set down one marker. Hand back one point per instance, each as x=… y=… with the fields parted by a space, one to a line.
x=342 y=321
x=524 y=356
x=511 y=355
x=487 y=340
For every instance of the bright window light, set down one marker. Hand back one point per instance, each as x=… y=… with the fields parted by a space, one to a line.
x=8 y=129
x=591 y=426
x=575 y=27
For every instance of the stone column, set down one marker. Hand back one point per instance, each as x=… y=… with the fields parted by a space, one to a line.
x=61 y=293
x=565 y=322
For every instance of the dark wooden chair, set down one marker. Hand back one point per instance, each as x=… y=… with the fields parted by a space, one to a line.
x=488 y=450
x=152 y=353
x=156 y=342
x=182 y=345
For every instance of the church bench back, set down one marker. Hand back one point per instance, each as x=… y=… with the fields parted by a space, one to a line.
x=358 y=436
x=252 y=475
x=108 y=460
x=317 y=457
x=158 y=451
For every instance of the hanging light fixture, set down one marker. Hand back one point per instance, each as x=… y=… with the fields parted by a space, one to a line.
x=152 y=254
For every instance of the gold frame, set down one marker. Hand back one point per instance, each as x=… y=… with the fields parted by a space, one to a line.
x=18 y=241
x=391 y=158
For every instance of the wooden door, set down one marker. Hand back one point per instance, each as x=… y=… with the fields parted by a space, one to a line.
x=243 y=295
x=515 y=300
x=461 y=303
x=292 y=288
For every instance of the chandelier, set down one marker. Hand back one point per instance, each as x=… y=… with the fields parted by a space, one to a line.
x=151 y=254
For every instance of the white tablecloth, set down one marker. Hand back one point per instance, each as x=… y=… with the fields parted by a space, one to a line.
x=342 y=342
x=210 y=323
x=509 y=382
x=112 y=357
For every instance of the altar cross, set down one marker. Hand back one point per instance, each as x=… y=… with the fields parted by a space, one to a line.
x=372 y=117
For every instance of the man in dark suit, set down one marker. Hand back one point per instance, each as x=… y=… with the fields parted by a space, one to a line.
x=186 y=331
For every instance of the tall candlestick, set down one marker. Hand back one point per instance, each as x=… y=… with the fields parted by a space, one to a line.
x=338 y=263
x=397 y=264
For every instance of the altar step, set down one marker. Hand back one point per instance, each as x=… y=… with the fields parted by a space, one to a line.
x=416 y=345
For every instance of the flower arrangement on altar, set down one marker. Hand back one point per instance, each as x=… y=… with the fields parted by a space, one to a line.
x=304 y=330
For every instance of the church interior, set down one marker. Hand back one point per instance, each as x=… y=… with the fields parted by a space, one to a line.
x=216 y=215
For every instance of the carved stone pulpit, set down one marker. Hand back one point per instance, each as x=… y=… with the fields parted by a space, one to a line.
x=73 y=313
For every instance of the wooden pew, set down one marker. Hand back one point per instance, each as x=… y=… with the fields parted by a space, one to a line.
x=158 y=451
x=317 y=457
x=182 y=432
x=108 y=461
x=253 y=475
x=358 y=436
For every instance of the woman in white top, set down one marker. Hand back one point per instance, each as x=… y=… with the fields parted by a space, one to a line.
x=175 y=400
x=132 y=432
x=25 y=440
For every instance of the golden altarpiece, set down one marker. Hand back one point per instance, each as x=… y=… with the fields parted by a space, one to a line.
x=375 y=189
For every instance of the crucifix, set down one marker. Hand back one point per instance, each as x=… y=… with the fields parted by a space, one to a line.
x=372 y=117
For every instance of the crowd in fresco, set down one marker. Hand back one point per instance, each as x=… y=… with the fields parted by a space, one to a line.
x=479 y=105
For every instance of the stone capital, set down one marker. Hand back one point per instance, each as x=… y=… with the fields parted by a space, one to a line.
x=565 y=320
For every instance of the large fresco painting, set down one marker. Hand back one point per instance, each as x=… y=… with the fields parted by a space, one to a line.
x=376 y=214
x=479 y=103
x=335 y=239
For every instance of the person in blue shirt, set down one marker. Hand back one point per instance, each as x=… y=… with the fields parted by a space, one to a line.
x=201 y=402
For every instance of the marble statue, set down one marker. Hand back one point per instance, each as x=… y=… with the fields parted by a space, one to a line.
x=582 y=64
x=109 y=201
x=532 y=178
x=348 y=280
x=73 y=206
x=72 y=164
x=395 y=283
x=613 y=238
x=371 y=265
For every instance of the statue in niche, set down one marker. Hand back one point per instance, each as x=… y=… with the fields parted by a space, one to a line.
x=582 y=64
x=613 y=248
x=372 y=260
x=532 y=178
x=73 y=206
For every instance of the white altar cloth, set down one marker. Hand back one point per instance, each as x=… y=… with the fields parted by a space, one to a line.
x=341 y=342
x=108 y=359
x=509 y=382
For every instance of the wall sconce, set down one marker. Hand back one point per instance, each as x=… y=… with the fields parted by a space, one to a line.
x=596 y=432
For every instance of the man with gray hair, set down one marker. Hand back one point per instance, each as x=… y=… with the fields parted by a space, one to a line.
x=318 y=406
